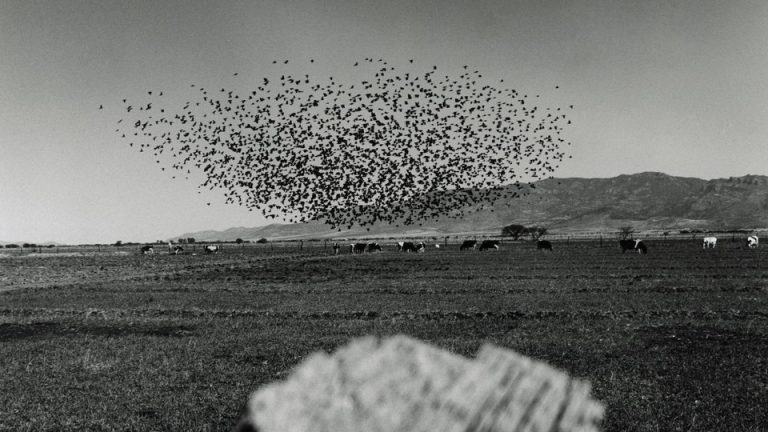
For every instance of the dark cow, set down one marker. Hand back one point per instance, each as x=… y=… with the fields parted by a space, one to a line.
x=177 y=250
x=147 y=250
x=468 y=244
x=211 y=249
x=489 y=244
x=336 y=248
x=373 y=247
x=630 y=244
x=421 y=247
x=543 y=244
x=358 y=247
x=407 y=247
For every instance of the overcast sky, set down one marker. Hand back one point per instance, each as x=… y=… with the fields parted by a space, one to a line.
x=673 y=86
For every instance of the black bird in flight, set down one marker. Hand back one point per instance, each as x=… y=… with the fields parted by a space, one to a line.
x=398 y=146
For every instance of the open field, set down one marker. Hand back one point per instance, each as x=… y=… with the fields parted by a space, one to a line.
x=673 y=340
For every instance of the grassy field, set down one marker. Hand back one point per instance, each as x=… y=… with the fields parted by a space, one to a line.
x=673 y=340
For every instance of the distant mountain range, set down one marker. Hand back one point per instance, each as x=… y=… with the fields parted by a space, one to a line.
x=647 y=201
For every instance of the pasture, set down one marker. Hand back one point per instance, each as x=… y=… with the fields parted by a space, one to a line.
x=673 y=340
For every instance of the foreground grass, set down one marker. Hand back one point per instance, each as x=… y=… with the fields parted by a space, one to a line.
x=668 y=344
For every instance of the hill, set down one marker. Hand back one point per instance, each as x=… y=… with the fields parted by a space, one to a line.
x=646 y=201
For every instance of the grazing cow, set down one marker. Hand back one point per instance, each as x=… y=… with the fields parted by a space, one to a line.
x=211 y=249
x=489 y=244
x=437 y=246
x=630 y=244
x=400 y=246
x=177 y=250
x=358 y=248
x=147 y=250
x=336 y=248
x=373 y=247
x=752 y=242
x=421 y=247
x=468 y=244
x=407 y=247
x=709 y=243
x=543 y=244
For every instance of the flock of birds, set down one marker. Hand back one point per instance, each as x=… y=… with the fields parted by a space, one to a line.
x=399 y=147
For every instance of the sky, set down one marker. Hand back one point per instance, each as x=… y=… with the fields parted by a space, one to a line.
x=675 y=86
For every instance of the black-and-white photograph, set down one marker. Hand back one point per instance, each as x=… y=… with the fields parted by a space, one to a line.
x=383 y=216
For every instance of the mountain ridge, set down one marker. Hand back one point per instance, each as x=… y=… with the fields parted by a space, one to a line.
x=647 y=201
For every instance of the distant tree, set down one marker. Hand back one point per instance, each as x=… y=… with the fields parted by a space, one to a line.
x=119 y=243
x=50 y=246
x=29 y=245
x=239 y=241
x=514 y=231
x=190 y=240
x=181 y=241
x=262 y=240
x=11 y=246
x=626 y=232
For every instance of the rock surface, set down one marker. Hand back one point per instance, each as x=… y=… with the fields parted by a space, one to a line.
x=402 y=384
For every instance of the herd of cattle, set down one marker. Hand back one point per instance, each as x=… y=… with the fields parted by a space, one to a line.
x=420 y=247
x=711 y=242
x=176 y=249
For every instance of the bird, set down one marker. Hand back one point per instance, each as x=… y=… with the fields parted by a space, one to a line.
x=397 y=147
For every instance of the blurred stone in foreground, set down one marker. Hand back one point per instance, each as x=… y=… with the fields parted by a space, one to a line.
x=402 y=384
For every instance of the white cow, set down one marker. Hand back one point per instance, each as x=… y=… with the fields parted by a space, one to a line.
x=709 y=243
x=210 y=249
x=752 y=242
